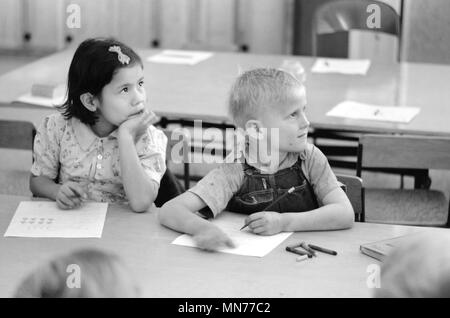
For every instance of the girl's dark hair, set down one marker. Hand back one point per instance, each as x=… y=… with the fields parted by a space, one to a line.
x=93 y=66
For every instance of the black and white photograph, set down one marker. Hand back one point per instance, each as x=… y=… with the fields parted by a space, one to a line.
x=225 y=156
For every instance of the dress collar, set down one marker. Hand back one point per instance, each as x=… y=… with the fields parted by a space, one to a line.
x=84 y=134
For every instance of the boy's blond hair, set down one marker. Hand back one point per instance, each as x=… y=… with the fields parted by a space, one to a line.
x=419 y=267
x=257 y=89
x=101 y=274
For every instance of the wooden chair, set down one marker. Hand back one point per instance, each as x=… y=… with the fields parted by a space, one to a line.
x=405 y=206
x=170 y=187
x=15 y=135
x=354 y=189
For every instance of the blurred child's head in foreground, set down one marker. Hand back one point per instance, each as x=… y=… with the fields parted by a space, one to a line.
x=418 y=268
x=86 y=273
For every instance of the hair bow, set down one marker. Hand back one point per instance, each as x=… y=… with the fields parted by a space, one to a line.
x=123 y=58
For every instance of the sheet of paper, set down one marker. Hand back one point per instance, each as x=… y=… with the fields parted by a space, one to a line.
x=247 y=243
x=57 y=100
x=179 y=57
x=355 y=110
x=343 y=66
x=45 y=219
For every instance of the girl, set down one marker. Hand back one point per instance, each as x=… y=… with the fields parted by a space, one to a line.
x=103 y=145
x=85 y=273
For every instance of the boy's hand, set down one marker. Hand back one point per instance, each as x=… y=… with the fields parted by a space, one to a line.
x=265 y=223
x=212 y=238
x=137 y=124
x=69 y=195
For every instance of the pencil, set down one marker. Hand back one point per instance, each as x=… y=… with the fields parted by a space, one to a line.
x=279 y=199
x=272 y=204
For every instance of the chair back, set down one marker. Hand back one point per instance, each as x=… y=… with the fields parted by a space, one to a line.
x=16 y=134
x=354 y=189
x=170 y=187
x=345 y=15
x=403 y=151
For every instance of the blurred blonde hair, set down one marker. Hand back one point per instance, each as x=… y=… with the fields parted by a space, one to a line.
x=102 y=274
x=418 y=268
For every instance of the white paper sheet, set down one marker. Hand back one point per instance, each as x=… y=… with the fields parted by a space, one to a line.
x=355 y=110
x=45 y=219
x=343 y=66
x=57 y=100
x=179 y=57
x=247 y=243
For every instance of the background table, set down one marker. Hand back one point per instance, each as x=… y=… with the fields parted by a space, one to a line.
x=166 y=270
x=200 y=91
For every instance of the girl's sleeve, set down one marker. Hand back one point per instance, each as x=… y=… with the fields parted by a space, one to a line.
x=152 y=153
x=47 y=148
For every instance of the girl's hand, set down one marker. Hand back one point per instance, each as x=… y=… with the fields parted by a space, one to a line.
x=212 y=238
x=265 y=223
x=70 y=195
x=137 y=124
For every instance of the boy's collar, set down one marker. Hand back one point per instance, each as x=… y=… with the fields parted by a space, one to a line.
x=84 y=134
x=240 y=155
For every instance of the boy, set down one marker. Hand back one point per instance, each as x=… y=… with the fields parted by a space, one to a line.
x=263 y=101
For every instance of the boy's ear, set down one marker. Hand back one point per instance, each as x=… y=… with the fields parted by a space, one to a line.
x=253 y=124
x=253 y=128
x=89 y=101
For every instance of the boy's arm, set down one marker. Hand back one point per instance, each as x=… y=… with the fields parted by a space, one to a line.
x=335 y=214
x=179 y=214
x=140 y=189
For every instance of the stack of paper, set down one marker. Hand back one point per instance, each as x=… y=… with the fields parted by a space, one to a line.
x=45 y=219
x=355 y=110
x=247 y=243
x=343 y=66
x=180 y=57
x=56 y=99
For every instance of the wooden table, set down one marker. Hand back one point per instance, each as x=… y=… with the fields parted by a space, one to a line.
x=166 y=270
x=200 y=91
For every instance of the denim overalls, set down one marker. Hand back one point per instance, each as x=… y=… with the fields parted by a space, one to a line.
x=259 y=190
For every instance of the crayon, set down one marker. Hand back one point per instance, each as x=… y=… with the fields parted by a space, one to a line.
x=323 y=250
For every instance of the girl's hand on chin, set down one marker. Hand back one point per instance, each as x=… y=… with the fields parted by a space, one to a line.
x=137 y=124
